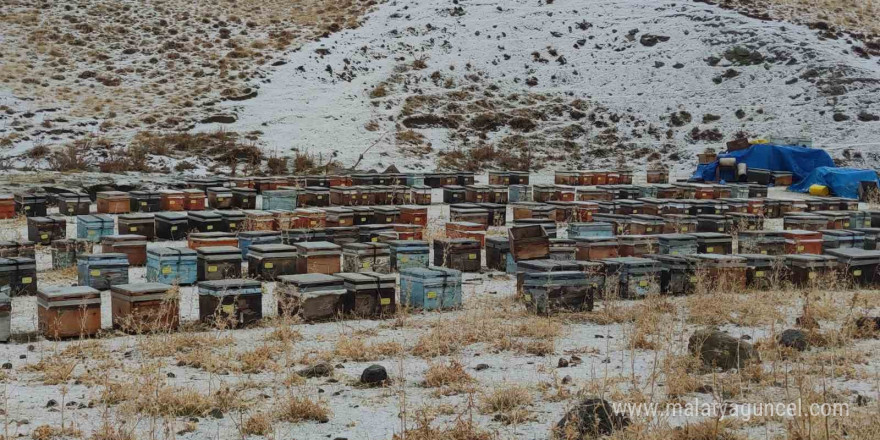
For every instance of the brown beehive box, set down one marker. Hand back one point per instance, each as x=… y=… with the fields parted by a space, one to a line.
x=132 y=245
x=318 y=257
x=528 y=242
x=194 y=199
x=144 y=307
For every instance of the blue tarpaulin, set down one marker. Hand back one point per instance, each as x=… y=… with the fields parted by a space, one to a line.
x=843 y=182
x=799 y=161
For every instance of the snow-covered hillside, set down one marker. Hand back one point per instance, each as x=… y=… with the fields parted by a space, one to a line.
x=657 y=81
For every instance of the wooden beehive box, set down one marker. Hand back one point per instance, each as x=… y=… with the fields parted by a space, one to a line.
x=144 y=307
x=68 y=312
x=114 y=202
x=318 y=257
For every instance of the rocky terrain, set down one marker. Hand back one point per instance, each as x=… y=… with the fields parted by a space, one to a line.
x=456 y=83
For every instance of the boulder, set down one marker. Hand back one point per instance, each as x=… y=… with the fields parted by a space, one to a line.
x=374 y=375
x=794 y=338
x=591 y=418
x=718 y=349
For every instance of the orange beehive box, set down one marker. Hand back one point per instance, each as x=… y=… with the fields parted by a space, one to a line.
x=198 y=240
x=798 y=241
x=193 y=199
x=170 y=200
x=114 y=202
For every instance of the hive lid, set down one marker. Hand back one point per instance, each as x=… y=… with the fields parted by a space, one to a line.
x=317 y=246
x=547 y=265
x=112 y=194
x=272 y=248
x=140 y=288
x=102 y=218
x=219 y=250
x=257 y=234
x=311 y=279
x=430 y=272
x=172 y=216
x=853 y=253
x=172 y=252
x=204 y=215
x=138 y=216
x=58 y=292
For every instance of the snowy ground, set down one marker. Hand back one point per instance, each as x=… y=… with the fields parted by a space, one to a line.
x=604 y=53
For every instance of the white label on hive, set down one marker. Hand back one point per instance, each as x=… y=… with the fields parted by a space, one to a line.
x=385 y=301
x=268 y=265
x=643 y=283
x=95 y=272
x=174 y=228
x=528 y=298
x=404 y=259
x=710 y=249
x=166 y=270
x=70 y=210
x=721 y=229
x=431 y=295
x=26 y=280
x=91 y=232
x=846 y=225
x=44 y=236
x=244 y=200
x=27 y=208
x=415 y=219
x=693 y=279
x=800 y=248
x=374 y=239
x=811 y=275
x=314 y=222
x=472 y=256
x=387 y=220
x=759 y=273
x=172 y=202
x=143 y=203
x=363 y=219
x=320 y=197
x=228 y=308
x=684 y=229
x=212 y=268
x=210 y=227
x=857 y=272
x=232 y=225
x=219 y=199
x=366 y=264
x=132 y=229
x=764 y=252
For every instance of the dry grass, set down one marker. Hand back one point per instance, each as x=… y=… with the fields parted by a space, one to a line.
x=295 y=409
x=358 y=350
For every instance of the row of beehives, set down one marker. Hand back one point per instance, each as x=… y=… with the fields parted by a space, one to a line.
x=75 y=311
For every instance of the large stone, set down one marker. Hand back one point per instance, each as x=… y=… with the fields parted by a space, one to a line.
x=220 y=119
x=793 y=338
x=374 y=375
x=592 y=417
x=720 y=350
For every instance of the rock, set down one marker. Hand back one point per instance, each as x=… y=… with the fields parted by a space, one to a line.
x=720 y=350
x=868 y=117
x=31 y=347
x=576 y=360
x=7 y=365
x=795 y=339
x=566 y=380
x=51 y=403
x=248 y=94
x=374 y=375
x=532 y=81
x=22 y=356
x=171 y=375
x=649 y=40
x=862 y=400
x=840 y=117
x=563 y=362
x=322 y=369
x=481 y=367
x=220 y=119
x=592 y=417
x=216 y=413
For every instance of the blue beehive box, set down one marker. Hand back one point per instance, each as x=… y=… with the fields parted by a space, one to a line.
x=406 y=254
x=283 y=199
x=519 y=193
x=93 y=227
x=590 y=230
x=247 y=239
x=172 y=265
x=100 y=271
x=434 y=288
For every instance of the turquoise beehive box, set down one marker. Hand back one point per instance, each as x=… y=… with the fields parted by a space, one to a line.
x=434 y=288
x=93 y=227
x=172 y=266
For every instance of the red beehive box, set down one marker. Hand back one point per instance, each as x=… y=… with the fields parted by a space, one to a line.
x=114 y=202
x=283 y=219
x=7 y=206
x=255 y=220
x=414 y=215
x=756 y=206
x=798 y=241
x=408 y=232
x=474 y=231
x=309 y=218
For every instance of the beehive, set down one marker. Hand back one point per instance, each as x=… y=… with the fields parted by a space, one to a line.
x=318 y=257
x=369 y=294
x=73 y=204
x=144 y=201
x=461 y=254
x=172 y=225
x=366 y=257
x=132 y=245
x=244 y=198
x=68 y=312
x=230 y=302
x=140 y=224
x=144 y=307
x=268 y=261
x=113 y=202
x=433 y=288
x=312 y=297
x=43 y=230
x=218 y=263
x=171 y=266
x=20 y=274
x=100 y=271
x=93 y=227
x=172 y=200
